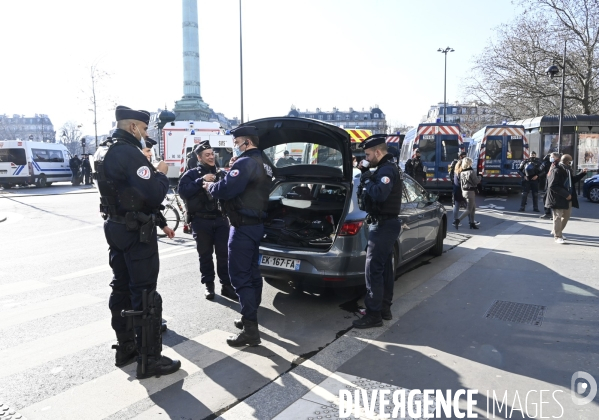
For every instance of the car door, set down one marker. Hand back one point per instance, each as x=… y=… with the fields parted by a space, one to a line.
x=427 y=211
x=409 y=238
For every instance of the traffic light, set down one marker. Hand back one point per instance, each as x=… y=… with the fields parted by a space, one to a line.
x=82 y=142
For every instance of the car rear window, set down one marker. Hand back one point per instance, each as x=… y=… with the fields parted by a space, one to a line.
x=304 y=154
x=16 y=156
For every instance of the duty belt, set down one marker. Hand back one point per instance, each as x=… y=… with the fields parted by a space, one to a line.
x=210 y=216
x=371 y=218
x=117 y=219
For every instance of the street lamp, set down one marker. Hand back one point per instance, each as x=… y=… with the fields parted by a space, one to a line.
x=241 y=61
x=445 y=51
x=553 y=71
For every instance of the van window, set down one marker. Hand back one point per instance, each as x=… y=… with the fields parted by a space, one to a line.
x=406 y=151
x=45 y=155
x=450 y=147
x=515 y=149
x=16 y=156
x=494 y=147
x=428 y=148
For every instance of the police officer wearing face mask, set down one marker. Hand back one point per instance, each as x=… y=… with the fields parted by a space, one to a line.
x=530 y=170
x=245 y=192
x=381 y=193
x=415 y=168
x=131 y=192
x=209 y=226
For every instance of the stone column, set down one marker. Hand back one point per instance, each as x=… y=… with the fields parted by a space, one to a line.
x=191 y=50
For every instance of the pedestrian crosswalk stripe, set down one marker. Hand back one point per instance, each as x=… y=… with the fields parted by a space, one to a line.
x=35 y=353
x=36 y=310
x=21 y=287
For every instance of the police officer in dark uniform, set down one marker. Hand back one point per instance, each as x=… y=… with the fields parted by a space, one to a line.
x=75 y=165
x=131 y=192
x=530 y=170
x=87 y=169
x=380 y=196
x=285 y=160
x=415 y=168
x=245 y=190
x=209 y=226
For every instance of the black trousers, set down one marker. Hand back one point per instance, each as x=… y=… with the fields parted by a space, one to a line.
x=379 y=269
x=528 y=186
x=212 y=236
x=135 y=267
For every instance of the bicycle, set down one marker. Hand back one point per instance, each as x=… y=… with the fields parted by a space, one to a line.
x=173 y=211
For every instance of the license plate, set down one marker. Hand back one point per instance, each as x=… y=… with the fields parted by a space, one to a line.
x=285 y=263
x=492 y=172
x=2 y=171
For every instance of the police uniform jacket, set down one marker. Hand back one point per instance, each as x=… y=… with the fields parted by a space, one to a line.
x=191 y=189
x=139 y=186
x=536 y=162
x=249 y=179
x=384 y=186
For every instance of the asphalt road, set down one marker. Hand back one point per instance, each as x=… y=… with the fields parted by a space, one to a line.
x=55 y=328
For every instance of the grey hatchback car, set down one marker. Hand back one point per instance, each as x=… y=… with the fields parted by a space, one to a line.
x=315 y=233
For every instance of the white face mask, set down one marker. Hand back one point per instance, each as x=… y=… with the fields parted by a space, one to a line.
x=141 y=138
x=236 y=151
x=551 y=159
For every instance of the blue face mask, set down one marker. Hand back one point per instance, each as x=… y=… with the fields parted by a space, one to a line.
x=237 y=151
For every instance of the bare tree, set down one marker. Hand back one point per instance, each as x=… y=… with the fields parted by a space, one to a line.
x=70 y=135
x=509 y=75
x=96 y=98
x=7 y=131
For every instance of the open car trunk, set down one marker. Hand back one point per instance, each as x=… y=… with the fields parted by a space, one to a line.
x=305 y=216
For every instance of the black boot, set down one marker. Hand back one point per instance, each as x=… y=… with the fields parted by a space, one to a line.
x=456 y=223
x=249 y=336
x=369 y=320
x=473 y=226
x=158 y=367
x=238 y=323
x=209 y=292
x=228 y=291
x=386 y=312
x=126 y=351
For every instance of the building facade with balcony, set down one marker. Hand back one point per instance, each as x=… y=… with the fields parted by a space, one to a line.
x=471 y=117
x=373 y=119
x=19 y=127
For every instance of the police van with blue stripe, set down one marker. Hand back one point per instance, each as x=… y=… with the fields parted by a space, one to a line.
x=30 y=162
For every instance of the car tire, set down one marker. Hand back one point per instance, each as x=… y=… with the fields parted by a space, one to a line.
x=594 y=194
x=437 y=249
x=41 y=182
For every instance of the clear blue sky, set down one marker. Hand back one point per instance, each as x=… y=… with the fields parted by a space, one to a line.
x=311 y=53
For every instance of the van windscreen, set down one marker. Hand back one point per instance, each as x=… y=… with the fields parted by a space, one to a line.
x=16 y=156
x=450 y=147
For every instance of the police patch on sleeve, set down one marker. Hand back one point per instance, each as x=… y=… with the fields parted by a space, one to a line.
x=385 y=180
x=234 y=172
x=144 y=172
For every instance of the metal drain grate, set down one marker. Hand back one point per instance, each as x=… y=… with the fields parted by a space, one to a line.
x=523 y=313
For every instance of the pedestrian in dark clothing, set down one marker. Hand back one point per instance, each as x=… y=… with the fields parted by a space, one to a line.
x=456 y=196
x=381 y=199
x=530 y=170
x=415 y=168
x=131 y=193
x=285 y=160
x=468 y=181
x=245 y=191
x=87 y=170
x=75 y=165
x=210 y=227
x=548 y=162
x=562 y=195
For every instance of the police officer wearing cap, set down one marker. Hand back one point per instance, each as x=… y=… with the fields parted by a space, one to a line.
x=530 y=170
x=245 y=192
x=209 y=226
x=380 y=196
x=131 y=192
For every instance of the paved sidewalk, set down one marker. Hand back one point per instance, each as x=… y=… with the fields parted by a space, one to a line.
x=543 y=330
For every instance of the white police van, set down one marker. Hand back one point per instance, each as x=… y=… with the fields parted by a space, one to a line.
x=30 y=162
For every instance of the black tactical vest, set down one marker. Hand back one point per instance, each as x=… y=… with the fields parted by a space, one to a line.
x=111 y=197
x=255 y=196
x=391 y=206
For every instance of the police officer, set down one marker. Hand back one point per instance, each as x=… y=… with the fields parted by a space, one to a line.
x=245 y=190
x=285 y=160
x=530 y=170
x=147 y=150
x=87 y=169
x=381 y=198
x=75 y=165
x=209 y=226
x=131 y=191
x=415 y=168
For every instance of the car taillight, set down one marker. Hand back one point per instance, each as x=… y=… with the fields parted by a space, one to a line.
x=350 y=228
x=479 y=167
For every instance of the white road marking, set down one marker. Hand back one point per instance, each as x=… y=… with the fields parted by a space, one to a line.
x=21 y=314
x=20 y=287
x=31 y=354
x=35 y=238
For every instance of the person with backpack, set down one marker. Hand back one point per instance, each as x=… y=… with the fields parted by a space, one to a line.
x=468 y=181
x=530 y=170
